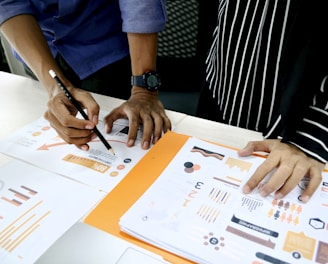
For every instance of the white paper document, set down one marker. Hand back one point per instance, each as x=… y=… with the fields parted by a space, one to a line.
x=40 y=145
x=196 y=209
x=36 y=208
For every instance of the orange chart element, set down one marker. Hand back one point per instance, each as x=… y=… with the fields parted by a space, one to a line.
x=242 y=165
x=89 y=163
x=301 y=243
x=21 y=228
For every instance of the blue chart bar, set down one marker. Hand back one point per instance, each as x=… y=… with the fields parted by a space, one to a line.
x=251 y=204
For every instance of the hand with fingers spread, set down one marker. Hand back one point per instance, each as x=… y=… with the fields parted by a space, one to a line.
x=278 y=87
x=144 y=108
x=291 y=166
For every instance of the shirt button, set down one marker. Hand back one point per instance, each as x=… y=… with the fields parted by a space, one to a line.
x=59 y=19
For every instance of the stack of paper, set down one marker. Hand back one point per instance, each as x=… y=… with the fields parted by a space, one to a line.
x=39 y=203
x=37 y=143
x=195 y=209
x=36 y=208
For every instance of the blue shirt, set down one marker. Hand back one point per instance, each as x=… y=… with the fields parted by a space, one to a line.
x=89 y=34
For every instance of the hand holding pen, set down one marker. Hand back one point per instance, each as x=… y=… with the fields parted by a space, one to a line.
x=79 y=109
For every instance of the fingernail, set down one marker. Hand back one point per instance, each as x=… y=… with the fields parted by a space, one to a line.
x=242 y=151
x=305 y=198
x=263 y=193
x=95 y=119
x=278 y=195
x=130 y=142
x=88 y=127
x=84 y=147
x=246 y=189
x=145 y=145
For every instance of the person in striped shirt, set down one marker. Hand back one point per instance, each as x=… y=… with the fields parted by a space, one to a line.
x=266 y=70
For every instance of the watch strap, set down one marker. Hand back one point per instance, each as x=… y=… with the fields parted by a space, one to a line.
x=138 y=81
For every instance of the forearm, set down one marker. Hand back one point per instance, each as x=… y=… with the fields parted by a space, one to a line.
x=143 y=50
x=25 y=36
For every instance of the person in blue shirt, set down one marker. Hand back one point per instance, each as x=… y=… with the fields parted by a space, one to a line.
x=92 y=46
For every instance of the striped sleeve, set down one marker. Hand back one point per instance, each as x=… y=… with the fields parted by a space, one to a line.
x=312 y=135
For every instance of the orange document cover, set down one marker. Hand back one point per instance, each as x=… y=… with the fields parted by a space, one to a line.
x=107 y=214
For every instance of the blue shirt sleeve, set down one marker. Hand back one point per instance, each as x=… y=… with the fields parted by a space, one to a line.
x=143 y=16
x=10 y=9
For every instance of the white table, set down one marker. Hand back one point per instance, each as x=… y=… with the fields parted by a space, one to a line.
x=23 y=100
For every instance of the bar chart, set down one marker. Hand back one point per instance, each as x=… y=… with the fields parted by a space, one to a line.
x=32 y=204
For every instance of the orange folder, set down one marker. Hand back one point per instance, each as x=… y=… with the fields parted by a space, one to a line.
x=107 y=214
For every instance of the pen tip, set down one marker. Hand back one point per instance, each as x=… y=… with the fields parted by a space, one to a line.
x=112 y=151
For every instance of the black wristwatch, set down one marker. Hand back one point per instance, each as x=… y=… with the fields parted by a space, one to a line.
x=150 y=80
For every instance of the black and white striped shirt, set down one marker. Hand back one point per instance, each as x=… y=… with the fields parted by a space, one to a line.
x=243 y=63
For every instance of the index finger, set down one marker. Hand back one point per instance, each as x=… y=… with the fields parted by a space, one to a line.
x=261 y=172
x=316 y=178
x=89 y=103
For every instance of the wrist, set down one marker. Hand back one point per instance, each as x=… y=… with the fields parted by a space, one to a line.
x=52 y=86
x=135 y=90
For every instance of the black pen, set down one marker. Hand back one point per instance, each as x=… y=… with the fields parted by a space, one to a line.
x=79 y=108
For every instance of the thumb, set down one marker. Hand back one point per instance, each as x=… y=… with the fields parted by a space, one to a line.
x=246 y=151
x=264 y=145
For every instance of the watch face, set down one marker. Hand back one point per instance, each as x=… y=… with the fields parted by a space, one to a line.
x=152 y=81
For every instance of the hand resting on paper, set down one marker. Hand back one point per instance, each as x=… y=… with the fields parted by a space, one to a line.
x=141 y=108
x=292 y=165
